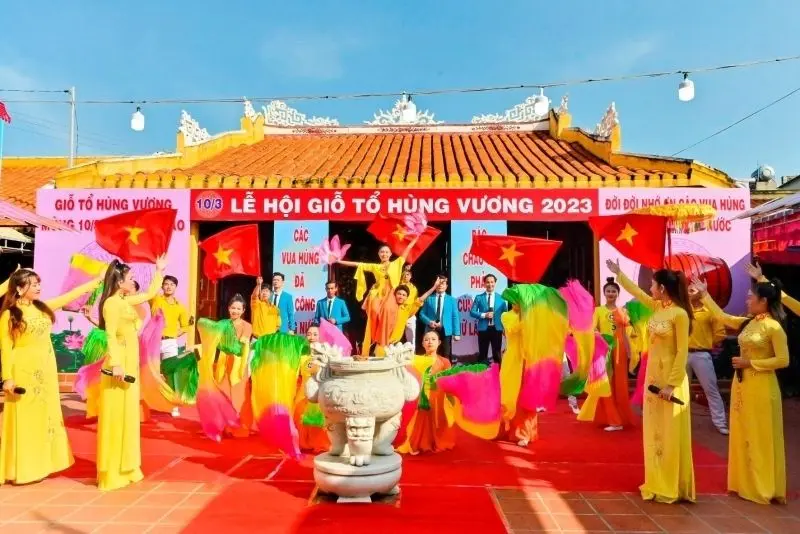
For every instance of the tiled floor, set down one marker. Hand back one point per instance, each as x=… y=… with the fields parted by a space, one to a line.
x=529 y=512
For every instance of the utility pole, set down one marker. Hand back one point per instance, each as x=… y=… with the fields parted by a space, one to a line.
x=72 y=124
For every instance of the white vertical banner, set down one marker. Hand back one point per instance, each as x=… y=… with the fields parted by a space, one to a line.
x=466 y=277
x=295 y=256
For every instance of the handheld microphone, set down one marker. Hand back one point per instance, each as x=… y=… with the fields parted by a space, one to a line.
x=19 y=390
x=739 y=375
x=128 y=378
x=652 y=388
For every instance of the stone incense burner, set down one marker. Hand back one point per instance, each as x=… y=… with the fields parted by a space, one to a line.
x=362 y=402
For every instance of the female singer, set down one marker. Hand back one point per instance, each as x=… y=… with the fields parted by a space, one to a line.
x=34 y=442
x=756 y=455
x=429 y=429
x=667 y=432
x=119 y=456
x=611 y=320
x=381 y=313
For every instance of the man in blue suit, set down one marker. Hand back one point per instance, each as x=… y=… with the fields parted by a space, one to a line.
x=440 y=313
x=487 y=309
x=284 y=302
x=332 y=308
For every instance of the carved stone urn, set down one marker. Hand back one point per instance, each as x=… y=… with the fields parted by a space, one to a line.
x=362 y=403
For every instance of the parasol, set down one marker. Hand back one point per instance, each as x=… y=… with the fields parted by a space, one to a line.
x=683 y=218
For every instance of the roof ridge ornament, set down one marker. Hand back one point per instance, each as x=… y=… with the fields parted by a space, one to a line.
x=523 y=112
x=192 y=132
x=249 y=111
x=278 y=113
x=563 y=107
x=404 y=112
x=607 y=124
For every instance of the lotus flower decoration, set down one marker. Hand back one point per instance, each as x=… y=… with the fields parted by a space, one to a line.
x=416 y=223
x=332 y=251
x=73 y=342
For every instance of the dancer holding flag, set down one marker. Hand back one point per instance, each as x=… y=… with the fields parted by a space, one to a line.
x=381 y=318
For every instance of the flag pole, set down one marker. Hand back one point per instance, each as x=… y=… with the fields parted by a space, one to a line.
x=2 y=139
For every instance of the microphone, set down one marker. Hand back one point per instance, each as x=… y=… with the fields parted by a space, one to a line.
x=128 y=378
x=739 y=375
x=19 y=390
x=652 y=388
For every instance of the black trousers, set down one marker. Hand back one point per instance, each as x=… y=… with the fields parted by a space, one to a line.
x=446 y=348
x=491 y=337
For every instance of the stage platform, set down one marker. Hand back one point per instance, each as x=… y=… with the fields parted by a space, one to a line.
x=575 y=478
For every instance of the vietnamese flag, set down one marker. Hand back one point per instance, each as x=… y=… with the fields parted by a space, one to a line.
x=640 y=238
x=521 y=259
x=393 y=232
x=136 y=236
x=232 y=251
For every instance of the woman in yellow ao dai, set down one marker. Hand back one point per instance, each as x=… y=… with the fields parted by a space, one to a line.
x=119 y=457
x=756 y=451
x=34 y=442
x=666 y=426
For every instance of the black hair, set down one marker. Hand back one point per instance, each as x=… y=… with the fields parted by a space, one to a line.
x=20 y=279
x=771 y=292
x=237 y=298
x=115 y=275
x=402 y=287
x=610 y=282
x=677 y=290
x=486 y=278
x=329 y=282
x=439 y=336
x=169 y=278
x=280 y=275
x=136 y=285
x=442 y=277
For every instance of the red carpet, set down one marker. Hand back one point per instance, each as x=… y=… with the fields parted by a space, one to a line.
x=260 y=488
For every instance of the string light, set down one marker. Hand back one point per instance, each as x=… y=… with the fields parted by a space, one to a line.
x=421 y=92
x=686 y=89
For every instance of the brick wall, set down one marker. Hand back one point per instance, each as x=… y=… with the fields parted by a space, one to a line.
x=65 y=382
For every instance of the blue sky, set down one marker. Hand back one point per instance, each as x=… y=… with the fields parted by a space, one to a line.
x=182 y=49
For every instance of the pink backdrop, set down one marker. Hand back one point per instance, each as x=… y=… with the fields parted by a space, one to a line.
x=79 y=208
x=727 y=240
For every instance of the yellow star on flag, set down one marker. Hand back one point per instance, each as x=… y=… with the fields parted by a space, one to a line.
x=133 y=233
x=627 y=234
x=223 y=255
x=510 y=254
x=400 y=233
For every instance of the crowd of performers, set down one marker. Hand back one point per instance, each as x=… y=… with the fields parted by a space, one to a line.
x=246 y=378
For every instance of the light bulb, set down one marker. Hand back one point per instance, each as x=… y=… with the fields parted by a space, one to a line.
x=686 y=89
x=137 y=120
x=541 y=104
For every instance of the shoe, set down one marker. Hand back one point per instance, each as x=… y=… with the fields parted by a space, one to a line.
x=723 y=430
x=523 y=443
x=540 y=410
x=613 y=428
x=573 y=404
x=176 y=412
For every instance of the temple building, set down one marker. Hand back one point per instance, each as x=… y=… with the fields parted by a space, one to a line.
x=515 y=173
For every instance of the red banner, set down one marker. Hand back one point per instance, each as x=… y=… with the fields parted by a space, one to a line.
x=365 y=204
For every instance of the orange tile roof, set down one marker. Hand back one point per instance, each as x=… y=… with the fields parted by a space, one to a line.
x=22 y=177
x=413 y=157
